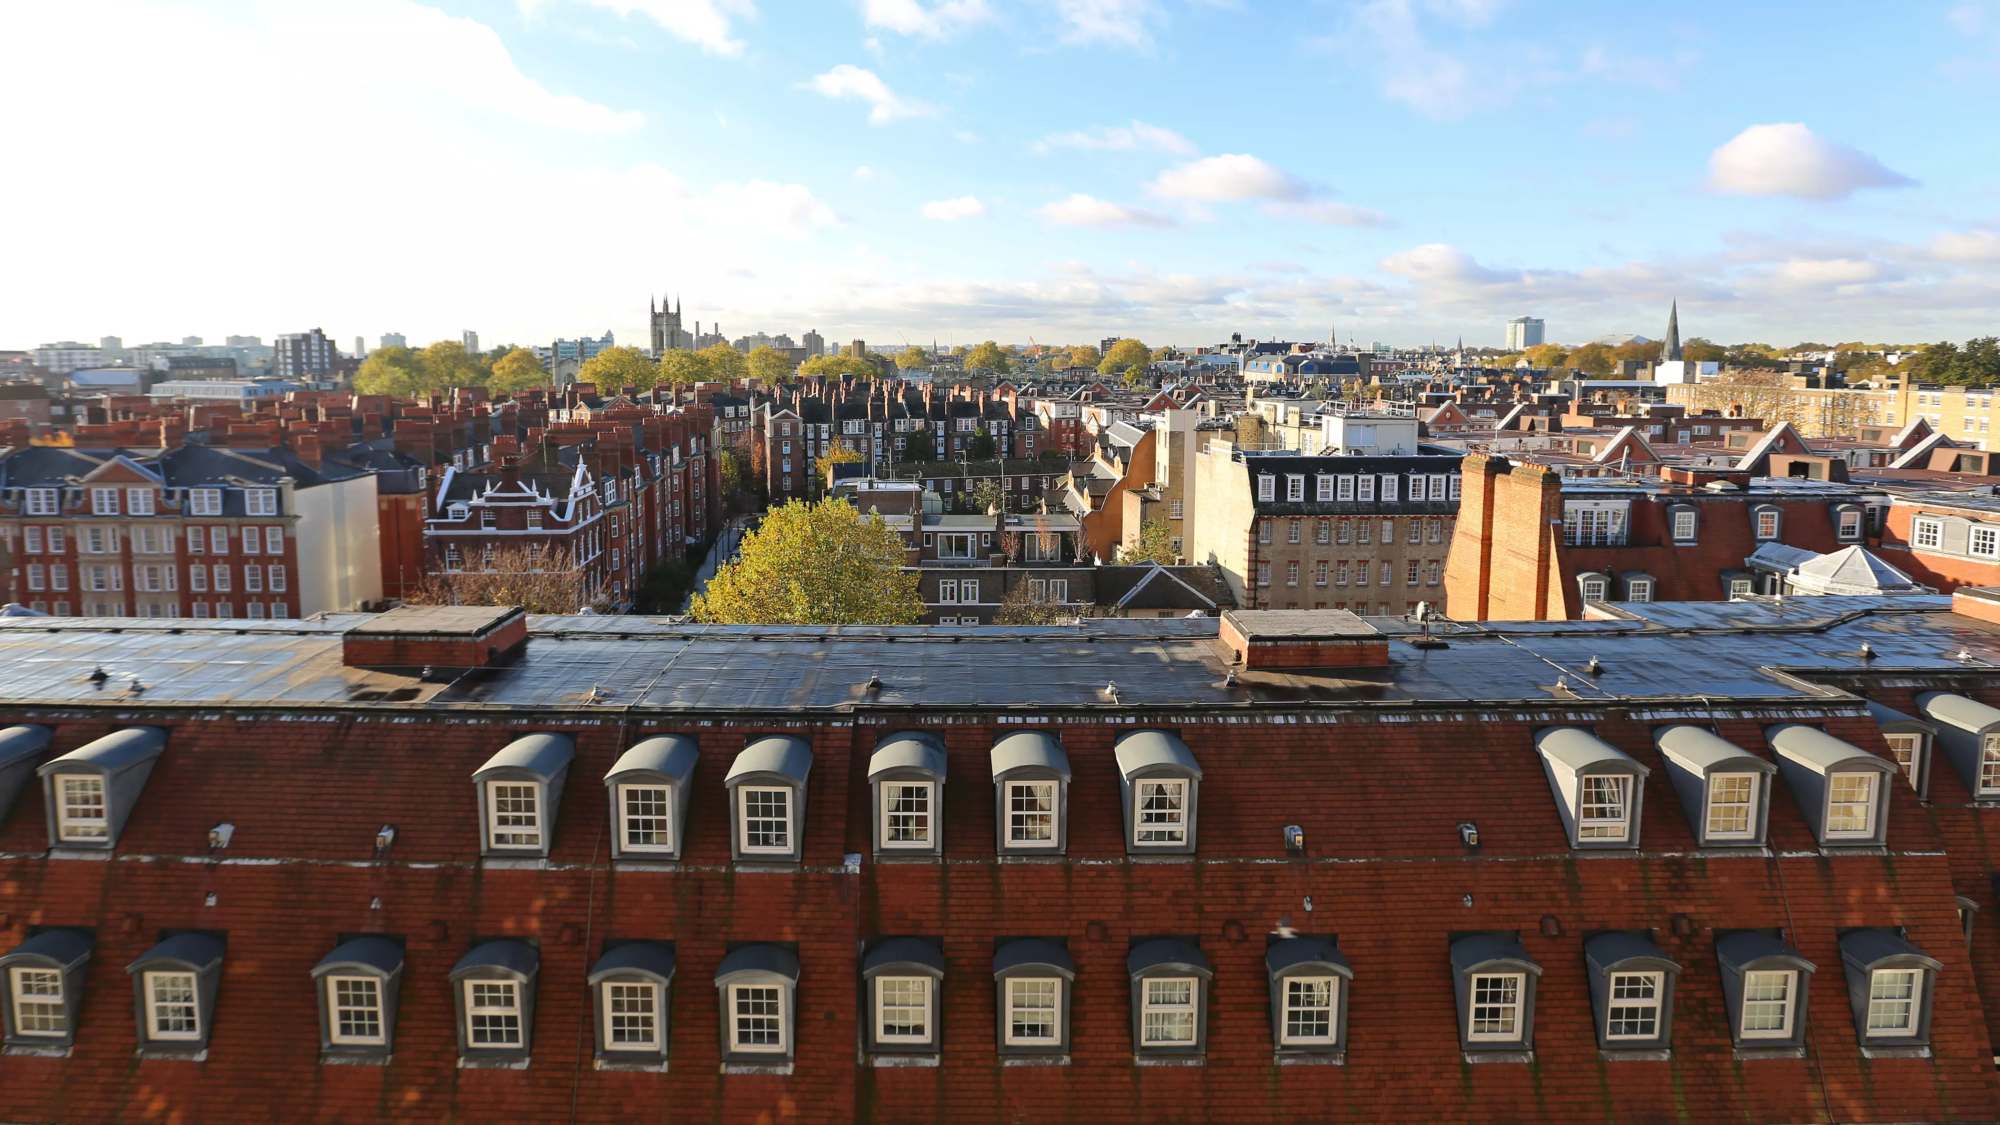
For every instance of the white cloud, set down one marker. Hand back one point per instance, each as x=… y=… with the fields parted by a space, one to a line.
x=952 y=210
x=911 y=17
x=787 y=211
x=1118 y=22
x=1121 y=138
x=1975 y=246
x=1081 y=210
x=1790 y=159
x=847 y=81
x=705 y=23
x=1329 y=212
x=1231 y=176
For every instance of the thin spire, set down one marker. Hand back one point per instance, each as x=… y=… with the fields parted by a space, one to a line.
x=1672 y=350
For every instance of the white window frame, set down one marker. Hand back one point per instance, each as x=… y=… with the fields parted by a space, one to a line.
x=44 y=502
x=494 y=829
x=1613 y=1004
x=1927 y=534
x=69 y=826
x=1053 y=812
x=1514 y=1010
x=1344 y=488
x=1171 y=828
x=737 y=1018
x=1388 y=488
x=666 y=817
x=1790 y=1003
x=1849 y=524
x=1590 y=827
x=1366 y=484
x=335 y=1006
x=1749 y=804
x=1600 y=585
x=156 y=1008
x=1915 y=1001
x=1267 y=487
x=651 y=992
x=1639 y=590
x=18 y=994
x=743 y=819
x=104 y=501
x=1989 y=765
x=1054 y=1010
x=1295 y=488
x=1685 y=525
x=1323 y=487
x=925 y=1006
x=1907 y=751
x=260 y=501
x=1163 y=1009
x=475 y=1011
x=928 y=815
x=205 y=501
x=1331 y=1008
x=1872 y=804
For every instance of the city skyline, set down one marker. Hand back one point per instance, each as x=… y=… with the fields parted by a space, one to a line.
x=979 y=169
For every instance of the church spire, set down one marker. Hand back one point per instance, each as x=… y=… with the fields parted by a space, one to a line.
x=1672 y=350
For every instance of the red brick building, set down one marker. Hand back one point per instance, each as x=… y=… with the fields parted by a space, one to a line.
x=1129 y=871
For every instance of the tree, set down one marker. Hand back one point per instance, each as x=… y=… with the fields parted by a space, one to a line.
x=822 y=563
x=683 y=368
x=663 y=587
x=1123 y=355
x=1084 y=355
x=986 y=496
x=613 y=368
x=515 y=371
x=389 y=371
x=1022 y=606
x=771 y=365
x=725 y=362
x=1547 y=355
x=913 y=356
x=921 y=446
x=1156 y=544
x=1638 y=352
x=989 y=356
x=834 y=366
x=1165 y=353
x=545 y=582
x=839 y=455
x=1593 y=360
x=1699 y=350
x=731 y=468
x=1976 y=363
x=980 y=448
x=447 y=364
x=1137 y=377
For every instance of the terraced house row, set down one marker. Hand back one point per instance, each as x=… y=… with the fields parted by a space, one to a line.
x=1719 y=861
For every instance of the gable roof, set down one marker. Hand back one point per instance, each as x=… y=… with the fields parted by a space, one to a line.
x=1781 y=438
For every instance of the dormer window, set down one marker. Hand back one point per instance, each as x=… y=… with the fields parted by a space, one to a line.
x=91 y=790
x=1847 y=522
x=1170 y=980
x=1764 y=991
x=175 y=984
x=1684 y=519
x=1596 y=785
x=205 y=501
x=1267 y=487
x=1033 y=978
x=1160 y=783
x=758 y=984
x=494 y=988
x=900 y=980
x=907 y=774
x=1031 y=794
x=1840 y=788
x=41 y=989
x=1638 y=586
x=767 y=789
x=1724 y=789
x=1889 y=985
x=1593 y=586
x=519 y=790
x=1295 y=487
x=1767 y=520
x=1495 y=981
x=648 y=786
x=631 y=986
x=1968 y=732
x=21 y=747
x=1309 y=985
x=358 y=984
x=1631 y=991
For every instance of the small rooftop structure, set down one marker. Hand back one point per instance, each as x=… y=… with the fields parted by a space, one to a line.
x=446 y=636
x=1848 y=572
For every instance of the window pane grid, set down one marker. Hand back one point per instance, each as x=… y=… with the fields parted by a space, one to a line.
x=1496 y=1007
x=38 y=1003
x=647 y=812
x=492 y=1014
x=1167 y=1017
x=1604 y=808
x=1731 y=801
x=1850 y=804
x=631 y=1016
x=767 y=822
x=1031 y=1011
x=1162 y=812
x=1309 y=1009
x=83 y=809
x=357 y=1010
x=906 y=814
x=1634 y=1010
x=1892 y=1002
x=1031 y=813
x=758 y=1018
x=902 y=1009
x=1989 y=765
x=516 y=819
x=171 y=998
x=1767 y=1004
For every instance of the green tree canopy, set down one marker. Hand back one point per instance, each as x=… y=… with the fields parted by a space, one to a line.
x=821 y=563
x=1124 y=354
x=1084 y=355
x=389 y=371
x=683 y=368
x=447 y=364
x=840 y=454
x=981 y=447
x=1547 y=355
x=725 y=362
x=1156 y=544
x=837 y=365
x=517 y=370
x=913 y=356
x=1699 y=350
x=1594 y=360
x=985 y=496
x=989 y=356
x=613 y=368
x=771 y=365
x=921 y=446
x=1976 y=363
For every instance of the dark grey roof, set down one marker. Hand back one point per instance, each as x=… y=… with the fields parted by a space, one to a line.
x=198 y=950
x=1576 y=749
x=904 y=951
x=1958 y=711
x=1700 y=749
x=759 y=958
x=1866 y=949
x=24 y=741
x=63 y=946
x=1289 y=953
x=1152 y=749
x=1819 y=751
x=1474 y=950
x=781 y=754
x=1745 y=948
x=915 y=750
x=376 y=953
x=1035 y=952
x=1152 y=586
x=114 y=751
x=1029 y=749
x=1606 y=950
x=1166 y=953
x=635 y=957
x=514 y=956
x=543 y=754
x=672 y=755
x=1888 y=717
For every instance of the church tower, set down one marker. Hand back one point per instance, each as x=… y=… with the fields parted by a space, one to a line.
x=1671 y=350
x=667 y=334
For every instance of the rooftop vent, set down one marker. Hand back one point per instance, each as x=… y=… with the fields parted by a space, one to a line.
x=438 y=636
x=1321 y=638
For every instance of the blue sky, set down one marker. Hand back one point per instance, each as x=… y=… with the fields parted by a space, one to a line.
x=1397 y=170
